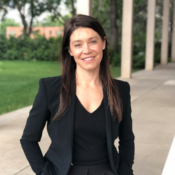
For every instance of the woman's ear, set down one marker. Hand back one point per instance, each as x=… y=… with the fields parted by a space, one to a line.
x=70 y=52
x=104 y=43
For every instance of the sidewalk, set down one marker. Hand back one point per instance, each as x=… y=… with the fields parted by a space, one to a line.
x=153 y=113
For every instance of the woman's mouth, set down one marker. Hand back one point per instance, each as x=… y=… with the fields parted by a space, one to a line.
x=87 y=60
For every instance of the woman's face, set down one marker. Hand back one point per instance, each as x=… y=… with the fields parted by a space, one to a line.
x=86 y=46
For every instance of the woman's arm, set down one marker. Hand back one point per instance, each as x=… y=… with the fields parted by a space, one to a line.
x=126 y=137
x=32 y=133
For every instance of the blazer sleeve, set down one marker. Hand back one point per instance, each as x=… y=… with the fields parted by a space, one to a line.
x=126 y=138
x=32 y=133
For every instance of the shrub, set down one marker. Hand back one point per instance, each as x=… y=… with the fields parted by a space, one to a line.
x=139 y=60
x=10 y=55
x=116 y=60
x=111 y=53
x=24 y=48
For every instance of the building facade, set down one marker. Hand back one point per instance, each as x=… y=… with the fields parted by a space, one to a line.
x=44 y=31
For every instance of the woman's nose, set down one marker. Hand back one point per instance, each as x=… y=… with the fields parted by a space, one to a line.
x=86 y=48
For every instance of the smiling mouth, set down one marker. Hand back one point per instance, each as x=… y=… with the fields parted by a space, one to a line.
x=89 y=58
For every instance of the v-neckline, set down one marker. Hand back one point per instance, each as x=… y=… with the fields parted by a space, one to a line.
x=86 y=109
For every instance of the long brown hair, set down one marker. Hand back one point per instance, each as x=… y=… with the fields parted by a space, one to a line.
x=69 y=67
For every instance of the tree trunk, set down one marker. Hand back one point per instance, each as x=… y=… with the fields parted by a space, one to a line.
x=23 y=22
x=113 y=43
x=73 y=8
x=30 y=27
x=31 y=21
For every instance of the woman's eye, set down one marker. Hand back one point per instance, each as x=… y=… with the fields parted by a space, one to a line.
x=77 y=45
x=94 y=41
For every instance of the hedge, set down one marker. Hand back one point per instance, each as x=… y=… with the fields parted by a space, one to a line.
x=30 y=49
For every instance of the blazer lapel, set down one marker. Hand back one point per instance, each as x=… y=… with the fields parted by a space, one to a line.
x=108 y=129
x=70 y=114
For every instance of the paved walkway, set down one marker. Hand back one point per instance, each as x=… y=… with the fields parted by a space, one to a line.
x=153 y=113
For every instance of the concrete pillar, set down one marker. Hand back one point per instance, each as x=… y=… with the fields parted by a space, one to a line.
x=173 y=37
x=149 y=60
x=165 y=30
x=84 y=7
x=126 y=62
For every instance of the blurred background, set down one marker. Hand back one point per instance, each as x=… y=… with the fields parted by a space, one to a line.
x=141 y=44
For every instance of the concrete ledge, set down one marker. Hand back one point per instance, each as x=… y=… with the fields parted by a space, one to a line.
x=12 y=115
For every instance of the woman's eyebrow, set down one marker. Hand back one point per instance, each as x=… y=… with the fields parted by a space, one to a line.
x=81 y=40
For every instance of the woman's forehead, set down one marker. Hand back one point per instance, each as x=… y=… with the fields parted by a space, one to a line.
x=83 y=33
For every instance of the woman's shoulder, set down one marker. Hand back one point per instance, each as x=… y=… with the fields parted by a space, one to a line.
x=122 y=85
x=52 y=79
x=123 y=88
x=52 y=83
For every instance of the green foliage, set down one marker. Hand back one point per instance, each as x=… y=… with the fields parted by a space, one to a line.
x=11 y=55
x=157 y=52
x=7 y=22
x=116 y=61
x=30 y=49
x=111 y=53
x=139 y=60
x=49 y=21
x=114 y=58
x=35 y=9
x=101 y=10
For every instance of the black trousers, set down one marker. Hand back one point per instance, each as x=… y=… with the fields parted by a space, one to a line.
x=101 y=169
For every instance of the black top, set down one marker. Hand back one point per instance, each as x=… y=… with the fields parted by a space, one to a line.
x=89 y=145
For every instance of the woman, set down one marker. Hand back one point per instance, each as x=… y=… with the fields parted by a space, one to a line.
x=85 y=110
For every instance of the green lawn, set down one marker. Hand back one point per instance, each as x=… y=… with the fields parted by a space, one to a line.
x=19 y=81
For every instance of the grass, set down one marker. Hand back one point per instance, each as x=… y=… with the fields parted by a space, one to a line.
x=19 y=81
x=116 y=71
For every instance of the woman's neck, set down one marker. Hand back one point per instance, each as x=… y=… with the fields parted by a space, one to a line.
x=87 y=78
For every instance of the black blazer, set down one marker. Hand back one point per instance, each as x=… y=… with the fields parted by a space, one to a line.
x=57 y=159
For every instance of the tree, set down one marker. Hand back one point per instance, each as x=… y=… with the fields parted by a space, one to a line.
x=113 y=42
x=101 y=10
x=70 y=5
x=108 y=13
x=7 y=22
x=3 y=10
x=49 y=21
x=52 y=6
x=20 y=6
x=36 y=8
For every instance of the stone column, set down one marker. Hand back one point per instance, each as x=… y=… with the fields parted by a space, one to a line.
x=84 y=7
x=149 y=60
x=173 y=37
x=126 y=62
x=165 y=29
